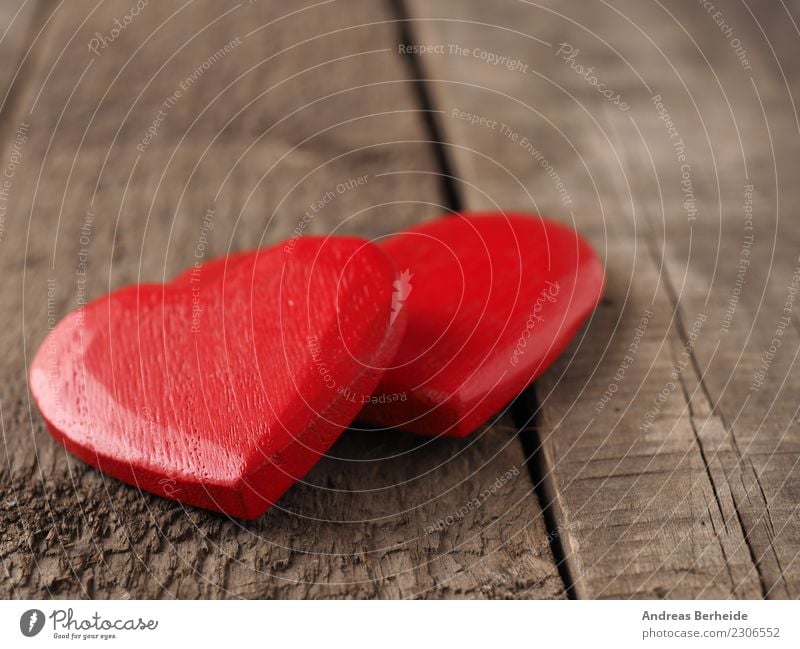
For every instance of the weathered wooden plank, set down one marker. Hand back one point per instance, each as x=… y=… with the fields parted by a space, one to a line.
x=747 y=433
x=17 y=34
x=748 y=287
x=17 y=20
x=692 y=493
x=198 y=128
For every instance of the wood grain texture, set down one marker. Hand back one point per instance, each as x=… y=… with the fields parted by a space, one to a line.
x=17 y=22
x=670 y=475
x=272 y=125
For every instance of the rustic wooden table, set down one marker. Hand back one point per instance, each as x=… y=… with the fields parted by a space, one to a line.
x=658 y=458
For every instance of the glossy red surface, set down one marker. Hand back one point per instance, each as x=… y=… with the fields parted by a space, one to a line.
x=491 y=300
x=223 y=387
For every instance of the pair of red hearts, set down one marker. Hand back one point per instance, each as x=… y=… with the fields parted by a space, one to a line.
x=225 y=386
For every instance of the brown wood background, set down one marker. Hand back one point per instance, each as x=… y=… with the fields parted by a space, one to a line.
x=690 y=494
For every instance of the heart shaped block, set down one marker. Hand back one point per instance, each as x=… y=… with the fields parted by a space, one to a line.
x=491 y=299
x=223 y=388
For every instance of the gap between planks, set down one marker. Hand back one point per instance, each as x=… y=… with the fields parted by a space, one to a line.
x=524 y=410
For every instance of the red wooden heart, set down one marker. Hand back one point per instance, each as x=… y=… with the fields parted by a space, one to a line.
x=222 y=390
x=492 y=300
